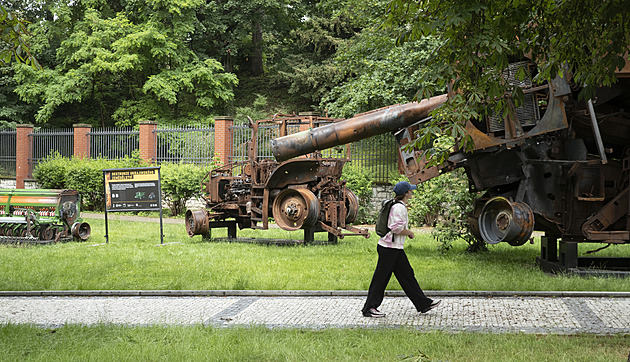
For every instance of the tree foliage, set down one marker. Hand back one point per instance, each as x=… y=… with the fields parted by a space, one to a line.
x=376 y=72
x=13 y=43
x=581 y=39
x=127 y=65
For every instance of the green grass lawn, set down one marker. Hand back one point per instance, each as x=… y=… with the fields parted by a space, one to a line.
x=198 y=343
x=134 y=259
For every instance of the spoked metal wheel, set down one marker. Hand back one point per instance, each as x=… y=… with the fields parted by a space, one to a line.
x=502 y=220
x=352 y=205
x=295 y=208
x=47 y=233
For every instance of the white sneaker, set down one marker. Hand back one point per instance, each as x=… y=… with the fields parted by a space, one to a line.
x=374 y=313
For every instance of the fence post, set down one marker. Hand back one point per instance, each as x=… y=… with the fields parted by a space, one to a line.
x=22 y=152
x=223 y=138
x=307 y=119
x=81 y=140
x=147 y=141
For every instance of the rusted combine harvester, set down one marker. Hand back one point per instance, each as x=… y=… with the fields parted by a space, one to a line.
x=41 y=216
x=558 y=165
x=303 y=193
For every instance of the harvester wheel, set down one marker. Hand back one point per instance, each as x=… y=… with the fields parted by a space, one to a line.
x=296 y=208
x=352 y=205
x=502 y=220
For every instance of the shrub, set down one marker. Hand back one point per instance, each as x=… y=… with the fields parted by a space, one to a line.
x=359 y=181
x=180 y=183
x=445 y=202
x=83 y=175
x=50 y=172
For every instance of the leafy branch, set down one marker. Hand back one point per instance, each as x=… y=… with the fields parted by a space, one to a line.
x=12 y=38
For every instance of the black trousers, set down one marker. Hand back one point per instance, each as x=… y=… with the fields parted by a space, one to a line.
x=394 y=261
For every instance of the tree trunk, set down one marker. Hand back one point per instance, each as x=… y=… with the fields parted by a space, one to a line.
x=256 y=57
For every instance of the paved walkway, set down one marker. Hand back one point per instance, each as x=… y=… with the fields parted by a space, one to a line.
x=491 y=312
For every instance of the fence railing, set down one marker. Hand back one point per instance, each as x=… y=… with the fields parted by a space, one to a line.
x=46 y=142
x=240 y=135
x=112 y=143
x=194 y=145
x=377 y=155
x=7 y=152
x=185 y=144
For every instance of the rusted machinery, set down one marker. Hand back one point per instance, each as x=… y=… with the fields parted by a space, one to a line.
x=41 y=216
x=302 y=193
x=557 y=165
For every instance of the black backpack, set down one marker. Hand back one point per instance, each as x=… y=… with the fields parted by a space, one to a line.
x=381 y=222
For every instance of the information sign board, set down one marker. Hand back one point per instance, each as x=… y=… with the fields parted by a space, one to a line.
x=132 y=189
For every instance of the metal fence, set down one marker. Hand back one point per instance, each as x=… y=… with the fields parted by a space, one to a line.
x=189 y=145
x=113 y=143
x=47 y=142
x=240 y=135
x=185 y=144
x=376 y=155
x=8 y=139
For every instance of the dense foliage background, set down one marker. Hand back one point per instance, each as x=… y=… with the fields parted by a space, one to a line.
x=114 y=63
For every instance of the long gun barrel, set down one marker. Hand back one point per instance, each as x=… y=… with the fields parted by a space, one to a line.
x=388 y=119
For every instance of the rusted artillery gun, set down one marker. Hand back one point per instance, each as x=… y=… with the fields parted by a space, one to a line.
x=41 y=216
x=556 y=164
x=303 y=193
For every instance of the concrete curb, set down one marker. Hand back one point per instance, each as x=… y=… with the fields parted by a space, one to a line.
x=305 y=293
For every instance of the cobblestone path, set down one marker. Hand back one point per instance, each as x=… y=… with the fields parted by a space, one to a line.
x=490 y=313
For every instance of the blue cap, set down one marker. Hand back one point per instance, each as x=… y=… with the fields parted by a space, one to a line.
x=403 y=186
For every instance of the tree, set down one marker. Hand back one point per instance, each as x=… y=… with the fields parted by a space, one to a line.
x=376 y=73
x=241 y=32
x=14 y=46
x=124 y=62
x=582 y=39
x=309 y=68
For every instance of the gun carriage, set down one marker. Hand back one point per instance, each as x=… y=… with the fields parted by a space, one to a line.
x=304 y=193
x=555 y=164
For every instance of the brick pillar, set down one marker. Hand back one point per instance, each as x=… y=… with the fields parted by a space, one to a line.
x=22 y=153
x=223 y=138
x=81 y=140
x=148 y=147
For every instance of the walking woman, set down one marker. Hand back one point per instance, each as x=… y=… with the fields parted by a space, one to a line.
x=392 y=259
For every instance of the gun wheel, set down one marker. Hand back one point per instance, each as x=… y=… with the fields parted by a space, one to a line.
x=295 y=209
x=352 y=205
